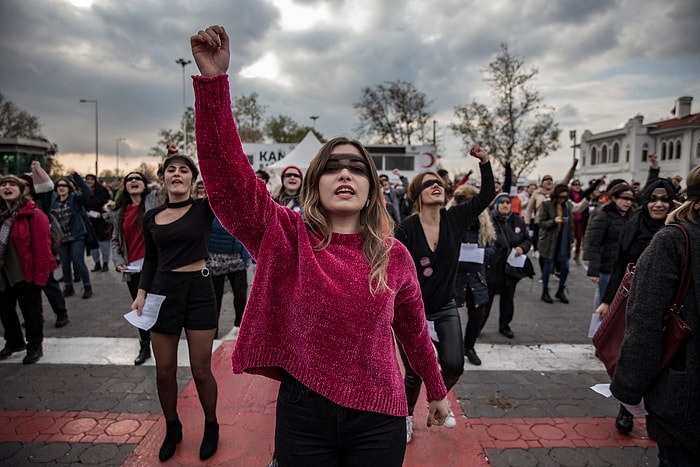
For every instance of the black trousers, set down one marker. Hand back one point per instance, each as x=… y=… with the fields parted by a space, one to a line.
x=450 y=350
x=313 y=431
x=239 y=287
x=53 y=293
x=28 y=296
x=506 y=304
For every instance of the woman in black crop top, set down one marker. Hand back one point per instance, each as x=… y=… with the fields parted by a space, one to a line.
x=175 y=237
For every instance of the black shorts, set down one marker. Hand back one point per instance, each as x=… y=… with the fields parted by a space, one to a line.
x=190 y=302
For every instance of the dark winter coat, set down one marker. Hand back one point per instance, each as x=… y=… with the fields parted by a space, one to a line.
x=603 y=235
x=510 y=232
x=672 y=398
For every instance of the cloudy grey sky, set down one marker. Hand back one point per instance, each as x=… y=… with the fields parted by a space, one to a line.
x=600 y=61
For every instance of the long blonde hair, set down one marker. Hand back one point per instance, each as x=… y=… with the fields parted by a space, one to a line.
x=487 y=233
x=687 y=212
x=373 y=218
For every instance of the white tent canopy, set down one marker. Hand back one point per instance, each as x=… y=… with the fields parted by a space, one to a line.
x=300 y=155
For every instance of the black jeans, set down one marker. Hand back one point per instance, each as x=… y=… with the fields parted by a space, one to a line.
x=675 y=456
x=450 y=350
x=239 y=287
x=29 y=298
x=314 y=431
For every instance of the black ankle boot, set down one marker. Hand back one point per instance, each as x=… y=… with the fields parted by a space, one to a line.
x=173 y=435
x=144 y=353
x=624 y=421
x=97 y=268
x=561 y=295
x=68 y=291
x=545 y=296
x=210 y=441
x=87 y=291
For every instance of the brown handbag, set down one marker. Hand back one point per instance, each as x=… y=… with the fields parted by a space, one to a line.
x=608 y=338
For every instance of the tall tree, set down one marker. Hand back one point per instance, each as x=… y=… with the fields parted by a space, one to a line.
x=283 y=129
x=18 y=123
x=394 y=112
x=518 y=127
x=249 y=115
x=177 y=137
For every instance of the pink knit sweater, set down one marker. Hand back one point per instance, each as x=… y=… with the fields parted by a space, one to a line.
x=311 y=313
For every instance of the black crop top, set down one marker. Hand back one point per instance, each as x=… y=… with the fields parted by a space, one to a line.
x=179 y=243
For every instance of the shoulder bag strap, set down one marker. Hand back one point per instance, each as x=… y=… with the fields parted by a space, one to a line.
x=677 y=304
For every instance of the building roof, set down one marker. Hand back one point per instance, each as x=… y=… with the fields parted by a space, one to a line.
x=690 y=120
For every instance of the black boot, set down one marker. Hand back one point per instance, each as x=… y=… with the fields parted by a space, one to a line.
x=62 y=319
x=97 y=268
x=210 y=441
x=144 y=353
x=173 y=435
x=472 y=357
x=87 y=291
x=105 y=267
x=624 y=421
x=561 y=295
x=68 y=291
x=545 y=296
x=33 y=356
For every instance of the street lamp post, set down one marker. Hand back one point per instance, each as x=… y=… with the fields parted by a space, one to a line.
x=118 y=140
x=184 y=63
x=314 y=118
x=572 y=137
x=97 y=141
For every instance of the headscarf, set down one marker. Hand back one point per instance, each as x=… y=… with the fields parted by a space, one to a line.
x=643 y=227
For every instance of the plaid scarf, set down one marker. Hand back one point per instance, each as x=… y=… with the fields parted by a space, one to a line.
x=7 y=217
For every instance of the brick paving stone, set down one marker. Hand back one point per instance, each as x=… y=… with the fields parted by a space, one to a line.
x=503 y=432
x=122 y=427
x=50 y=452
x=79 y=426
x=34 y=425
x=548 y=432
x=99 y=454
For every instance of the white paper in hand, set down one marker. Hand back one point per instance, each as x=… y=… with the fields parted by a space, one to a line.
x=516 y=261
x=595 y=324
x=149 y=315
x=432 y=331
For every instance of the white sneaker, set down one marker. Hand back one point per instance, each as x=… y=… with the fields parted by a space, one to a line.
x=409 y=428
x=450 y=421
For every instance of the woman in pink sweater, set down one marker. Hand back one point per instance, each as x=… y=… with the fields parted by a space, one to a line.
x=331 y=290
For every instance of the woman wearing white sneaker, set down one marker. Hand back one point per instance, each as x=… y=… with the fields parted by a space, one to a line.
x=433 y=236
x=331 y=289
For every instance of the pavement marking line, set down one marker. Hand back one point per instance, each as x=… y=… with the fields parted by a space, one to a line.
x=495 y=357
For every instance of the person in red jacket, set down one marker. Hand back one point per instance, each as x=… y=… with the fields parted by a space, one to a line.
x=25 y=264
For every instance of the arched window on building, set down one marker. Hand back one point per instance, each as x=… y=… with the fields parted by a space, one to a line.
x=594 y=156
x=678 y=149
x=663 y=151
x=670 y=150
x=604 y=154
x=616 y=153
x=627 y=153
x=645 y=152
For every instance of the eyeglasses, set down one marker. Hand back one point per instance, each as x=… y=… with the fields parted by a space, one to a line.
x=547 y=179
x=430 y=183
x=563 y=197
x=355 y=166
x=10 y=182
x=626 y=198
x=61 y=185
x=134 y=179
x=663 y=199
x=291 y=175
x=575 y=184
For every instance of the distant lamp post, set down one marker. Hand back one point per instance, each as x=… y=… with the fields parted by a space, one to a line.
x=97 y=141
x=184 y=63
x=118 y=140
x=314 y=118
x=572 y=136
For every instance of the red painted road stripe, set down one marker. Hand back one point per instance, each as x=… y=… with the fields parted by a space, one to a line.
x=246 y=410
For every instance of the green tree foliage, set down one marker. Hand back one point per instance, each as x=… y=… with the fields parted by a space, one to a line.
x=18 y=123
x=177 y=137
x=283 y=129
x=249 y=115
x=518 y=126
x=394 y=112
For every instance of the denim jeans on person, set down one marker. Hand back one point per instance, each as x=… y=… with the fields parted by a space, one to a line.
x=563 y=267
x=603 y=281
x=104 y=250
x=313 y=431
x=74 y=253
